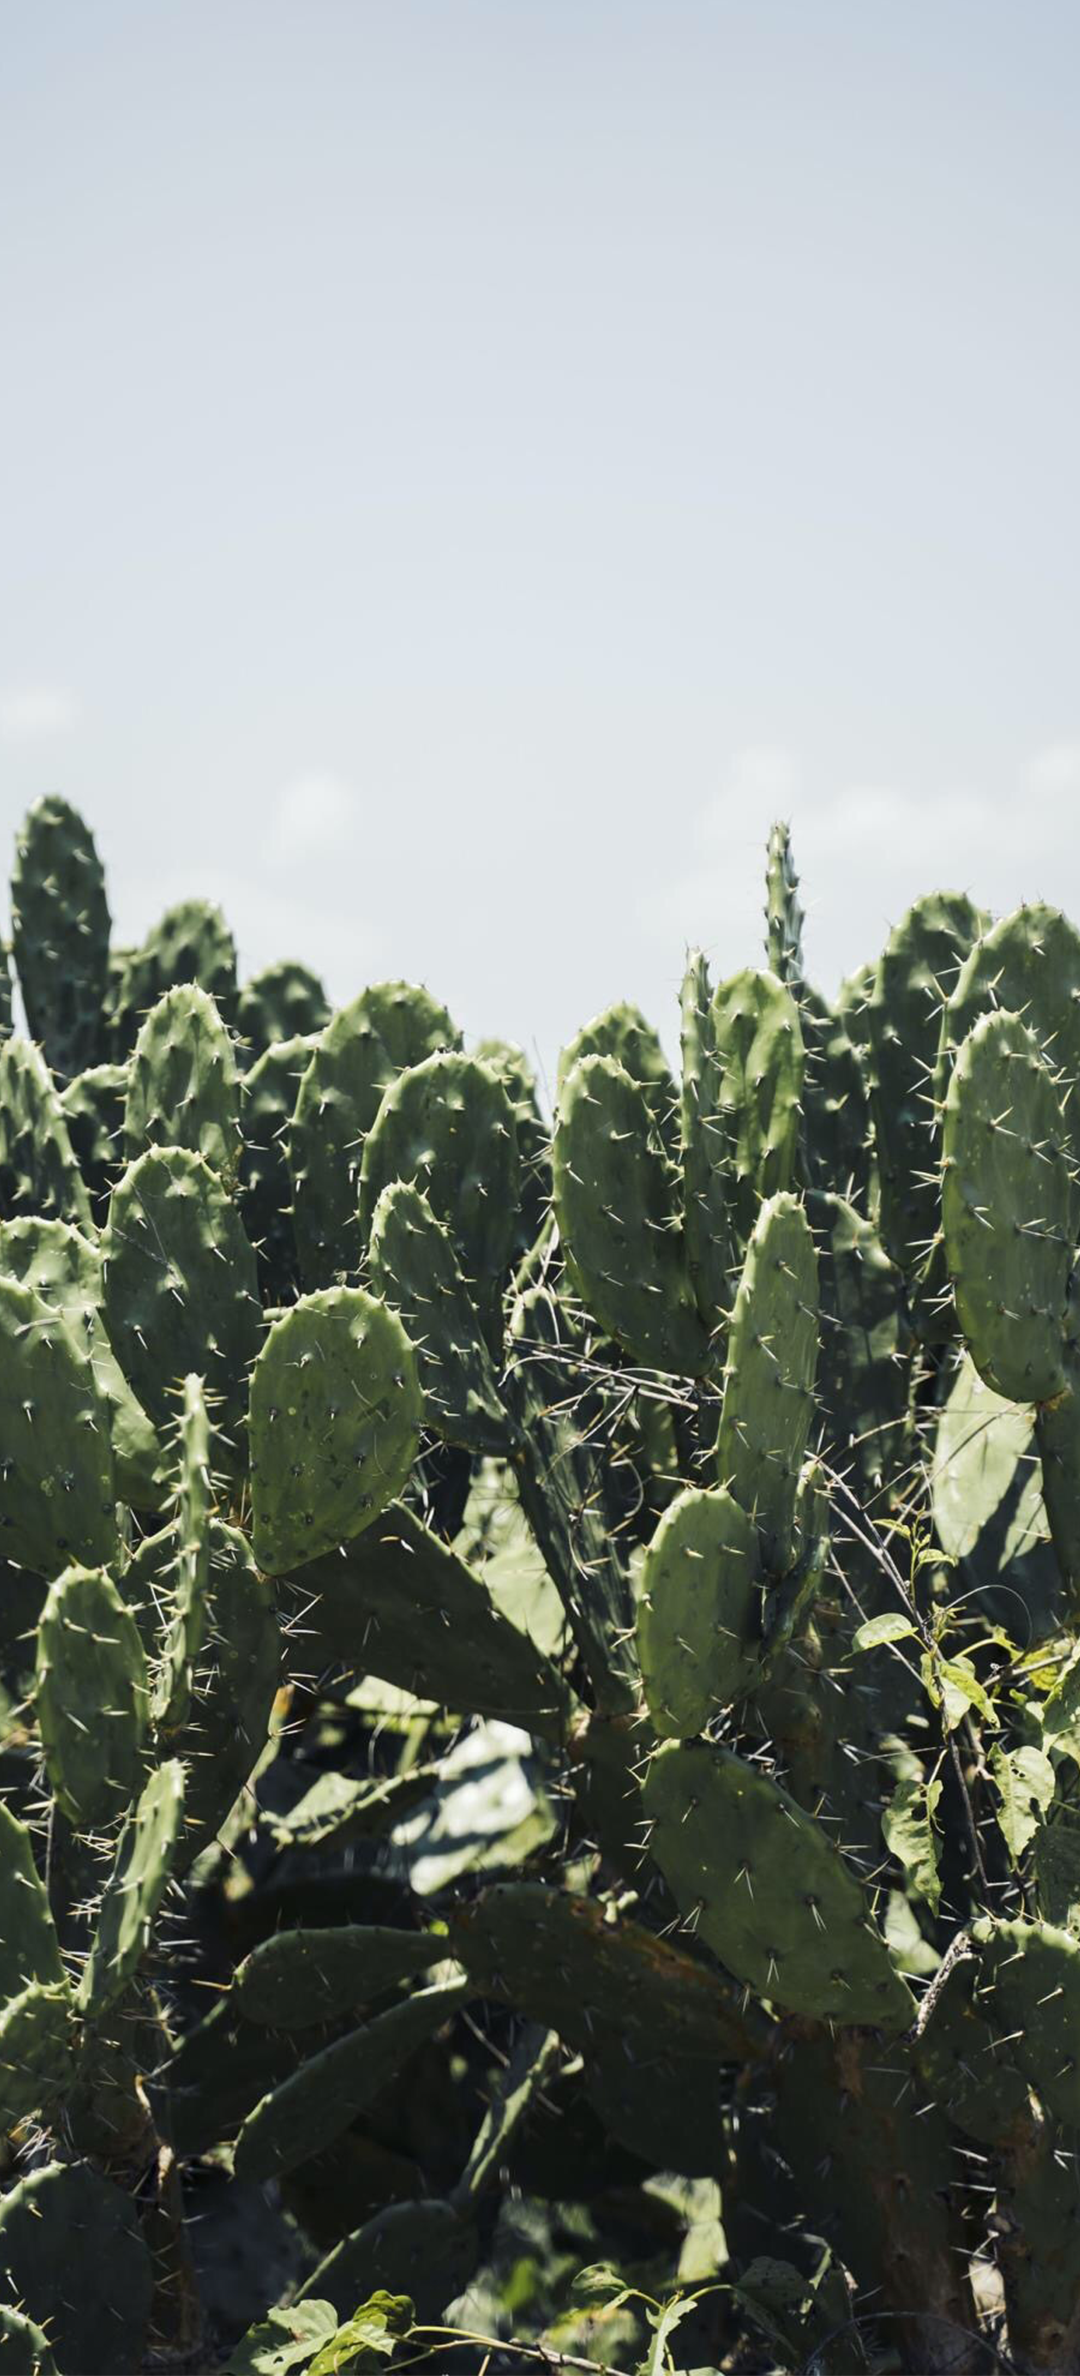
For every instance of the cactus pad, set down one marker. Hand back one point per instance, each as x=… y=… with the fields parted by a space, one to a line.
x=60 y=929
x=74 y=2260
x=759 y=1050
x=91 y=1697
x=134 y=1889
x=334 y=1425
x=773 y=1897
x=699 y=1614
x=769 y=1377
x=448 y=1126
x=183 y=1089
x=328 y=2092
x=415 y=1268
x=180 y=1287
x=1005 y=1202
x=614 y=1198
x=297 y=1978
x=57 y=1489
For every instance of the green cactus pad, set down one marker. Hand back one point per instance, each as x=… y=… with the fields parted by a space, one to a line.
x=1056 y=1855
x=264 y=1191
x=699 y=1614
x=707 y=1237
x=1006 y=1201
x=180 y=1288
x=300 y=1977
x=760 y=1056
x=38 y=1171
x=24 y=2350
x=862 y=1376
x=1027 y=964
x=64 y=1268
x=334 y=1424
x=986 y=1479
x=29 y=1949
x=564 y=1482
x=60 y=929
x=837 y=1138
x=362 y=1049
x=784 y=917
x=188 y=1613
x=234 y=1679
x=572 y=1963
x=36 y=2065
x=448 y=1126
x=916 y=974
x=91 y=1697
x=284 y=1002
x=328 y=2092
x=57 y=1488
x=75 y=2262
x=770 y=1894
x=183 y=1089
x=93 y=1108
x=134 y=1889
x=415 y=1268
x=615 y=1202
x=1030 y=1976
x=533 y=1137
x=423 y=2251
x=191 y=943
x=402 y=1606
x=769 y=1377
x=622 y=1033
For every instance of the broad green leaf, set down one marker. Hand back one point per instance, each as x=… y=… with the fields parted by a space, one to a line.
x=659 y=2361
x=908 y=1828
x=891 y=1626
x=382 y=2322
x=283 y=2340
x=1025 y=1786
x=953 y=1685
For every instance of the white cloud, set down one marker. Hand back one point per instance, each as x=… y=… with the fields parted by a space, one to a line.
x=32 y=713
x=314 y=815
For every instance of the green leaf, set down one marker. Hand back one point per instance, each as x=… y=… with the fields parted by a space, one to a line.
x=891 y=1626
x=1025 y=1784
x=659 y=2361
x=953 y=1685
x=907 y=1825
x=283 y=2340
x=382 y=2322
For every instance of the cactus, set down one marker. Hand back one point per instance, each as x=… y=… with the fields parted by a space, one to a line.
x=180 y=1288
x=328 y=2091
x=191 y=943
x=699 y=1616
x=182 y=1084
x=702 y=1556
x=363 y=1047
x=775 y=1900
x=415 y=1268
x=57 y=1484
x=264 y=1191
x=284 y=1002
x=134 y=1889
x=91 y=1697
x=448 y=1126
x=38 y=1171
x=335 y=1422
x=618 y=1221
x=60 y=929
x=298 y=1978
x=769 y=1380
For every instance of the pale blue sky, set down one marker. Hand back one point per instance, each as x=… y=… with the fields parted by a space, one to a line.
x=465 y=464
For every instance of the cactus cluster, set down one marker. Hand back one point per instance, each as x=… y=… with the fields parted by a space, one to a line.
x=538 y=1653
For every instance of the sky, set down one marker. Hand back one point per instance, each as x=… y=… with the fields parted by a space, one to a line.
x=467 y=465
